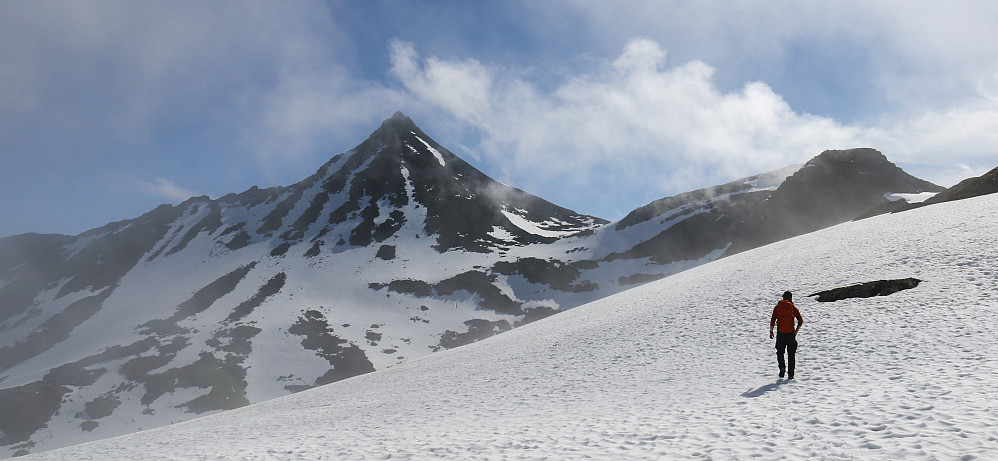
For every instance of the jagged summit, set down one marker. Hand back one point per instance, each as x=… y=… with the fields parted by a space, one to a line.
x=400 y=178
x=850 y=155
x=833 y=187
x=392 y=133
x=866 y=165
x=402 y=173
x=399 y=120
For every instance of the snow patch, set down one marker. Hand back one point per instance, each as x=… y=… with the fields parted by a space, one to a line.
x=910 y=198
x=530 y=226
x=436 y=153
x=773 y=179
x=502 y=234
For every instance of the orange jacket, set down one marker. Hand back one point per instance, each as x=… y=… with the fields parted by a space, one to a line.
x=783 y=316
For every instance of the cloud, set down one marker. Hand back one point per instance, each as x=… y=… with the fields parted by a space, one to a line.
x=164 y=188
x=302 y=113
x=628 y=124
x=904 y=54
x=460 y=87
x=636 y=126
x=939 y=145
x=95 y=74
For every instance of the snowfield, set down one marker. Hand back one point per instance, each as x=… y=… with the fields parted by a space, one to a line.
x=680 y=368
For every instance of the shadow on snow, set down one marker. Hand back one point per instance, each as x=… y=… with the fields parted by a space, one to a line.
x=764 y=389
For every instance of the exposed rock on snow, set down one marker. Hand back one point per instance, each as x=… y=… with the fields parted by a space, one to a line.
x=866 y=290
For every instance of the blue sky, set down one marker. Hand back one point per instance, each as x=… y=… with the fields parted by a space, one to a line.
x=110 y=108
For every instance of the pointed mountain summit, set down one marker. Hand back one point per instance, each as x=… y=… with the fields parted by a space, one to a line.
x=399 y=175
x=399 y=166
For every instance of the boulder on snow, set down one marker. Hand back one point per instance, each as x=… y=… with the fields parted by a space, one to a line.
x=866 y=290
x=386 y=252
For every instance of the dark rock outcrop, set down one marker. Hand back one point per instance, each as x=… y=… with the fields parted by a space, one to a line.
x=968 y=188
x=866 y=290
x=971 y=187
x=832 y=188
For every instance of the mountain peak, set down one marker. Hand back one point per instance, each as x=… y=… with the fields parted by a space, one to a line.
x=400 y=171
x=398 y=120
x=857 y=153
x=857 y=159
x=392 y=135
x=833 y=187
x=867 y=166
x=398 y=124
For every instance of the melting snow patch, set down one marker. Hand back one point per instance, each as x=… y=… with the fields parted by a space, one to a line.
x=436 y=153
x=773 y=179
x=910 y=198
x=530 y=226
x=502 y=234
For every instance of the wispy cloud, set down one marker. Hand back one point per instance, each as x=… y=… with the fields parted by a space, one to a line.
x=462 y=87
x=166 y=189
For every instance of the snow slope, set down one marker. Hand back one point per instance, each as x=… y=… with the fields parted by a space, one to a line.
x=682 y=367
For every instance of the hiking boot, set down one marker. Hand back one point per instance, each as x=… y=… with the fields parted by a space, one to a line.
x=783 y=373
x=790 y=377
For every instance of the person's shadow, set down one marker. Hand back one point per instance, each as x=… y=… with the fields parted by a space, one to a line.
x=764 y=389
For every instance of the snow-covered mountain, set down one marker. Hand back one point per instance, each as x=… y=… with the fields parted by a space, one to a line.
x=680 y=368
x=391 y=251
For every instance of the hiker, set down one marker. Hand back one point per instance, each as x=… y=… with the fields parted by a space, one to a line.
x=786 y=335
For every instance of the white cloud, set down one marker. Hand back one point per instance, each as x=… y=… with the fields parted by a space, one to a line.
x=913 y=54
x=938 y=145
x=634 y=126
x=461 y=87
x=629 y=124
x=93 y=73
x=641 y=56
x=164 y=188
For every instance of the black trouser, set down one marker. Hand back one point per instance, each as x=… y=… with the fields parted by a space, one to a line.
x=786 y=341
